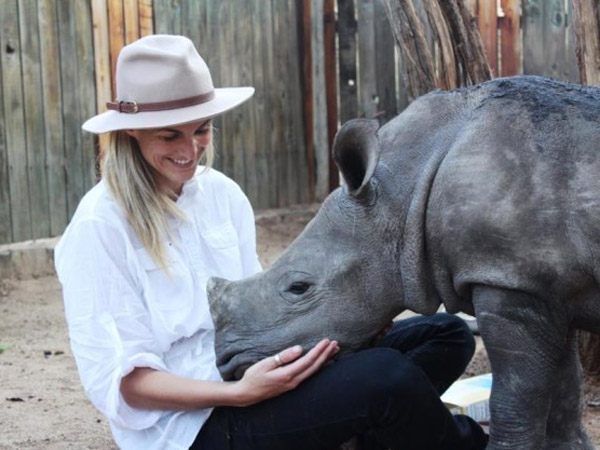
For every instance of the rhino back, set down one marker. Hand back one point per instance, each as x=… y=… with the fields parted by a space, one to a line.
x=514 y=197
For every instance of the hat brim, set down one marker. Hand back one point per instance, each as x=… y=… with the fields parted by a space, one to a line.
x=224 y=100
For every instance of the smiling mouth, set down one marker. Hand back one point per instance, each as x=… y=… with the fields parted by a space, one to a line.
x=181 y=162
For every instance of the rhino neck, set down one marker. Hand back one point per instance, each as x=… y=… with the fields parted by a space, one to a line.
x=416 y=271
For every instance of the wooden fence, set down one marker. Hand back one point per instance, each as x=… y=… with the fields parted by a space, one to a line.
x=314 y=64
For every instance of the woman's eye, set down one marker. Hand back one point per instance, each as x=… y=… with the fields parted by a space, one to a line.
x=298 y=288
x=169 y=137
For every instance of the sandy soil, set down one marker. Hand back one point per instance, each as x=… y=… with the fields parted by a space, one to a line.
x=43 y=405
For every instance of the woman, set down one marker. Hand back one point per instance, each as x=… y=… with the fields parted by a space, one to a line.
x=134 y=262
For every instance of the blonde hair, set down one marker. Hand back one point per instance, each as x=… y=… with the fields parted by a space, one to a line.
x=132 y=182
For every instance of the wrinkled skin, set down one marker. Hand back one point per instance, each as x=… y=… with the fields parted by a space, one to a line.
x=485 y=199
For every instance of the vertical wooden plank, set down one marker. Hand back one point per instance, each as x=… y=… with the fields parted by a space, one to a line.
x=5 y=221
x=280 y=100
x=533 y=32
x=347 y=27
x=10 y=63
x=210 y=49
x=294 y=125
x=146 y=17
x=304 y=26
x=116 y=36
x=70 y=103
x=331 y=85
x=274 y=104
x=367 y=85
x=544 y=37
x=34 y=118
x=259 y=103
x=168 y=16
x=510 y=32
x=384 y=65
x=319 y=111
x=86 y=90
x=102 y=63
x=53 y=124
x=555 y=38
x=241 y=68
x=570 y=70
x=131 y=20
x=488 y=27
x=226 y=69
x=193 y=25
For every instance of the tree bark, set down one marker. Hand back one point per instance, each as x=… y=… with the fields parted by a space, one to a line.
x=587 y=31
x=461 y=60
x=414 y=50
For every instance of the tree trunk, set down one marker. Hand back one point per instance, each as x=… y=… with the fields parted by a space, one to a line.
x=461 y=60
x=414 y=50
x=587 y=31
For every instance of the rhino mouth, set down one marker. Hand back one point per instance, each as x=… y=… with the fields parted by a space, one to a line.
x=233 y=362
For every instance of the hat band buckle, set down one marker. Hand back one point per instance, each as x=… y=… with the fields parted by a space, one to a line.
x=133 y=107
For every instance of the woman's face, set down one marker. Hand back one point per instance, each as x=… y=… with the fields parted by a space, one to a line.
x=174 y=152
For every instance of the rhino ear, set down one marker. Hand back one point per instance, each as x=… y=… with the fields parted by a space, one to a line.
x=356 y=152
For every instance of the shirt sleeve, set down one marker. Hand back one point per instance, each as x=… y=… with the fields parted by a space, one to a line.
x=109 y=327
x=246 y=230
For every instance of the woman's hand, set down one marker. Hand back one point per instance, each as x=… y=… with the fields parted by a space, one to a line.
x=273 y=376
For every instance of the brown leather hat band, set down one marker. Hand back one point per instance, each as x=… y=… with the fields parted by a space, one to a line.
x=134 y=107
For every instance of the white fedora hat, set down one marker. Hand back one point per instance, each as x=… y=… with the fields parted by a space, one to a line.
x=163 y=81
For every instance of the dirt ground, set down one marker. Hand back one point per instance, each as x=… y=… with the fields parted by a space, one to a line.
x=43 y=405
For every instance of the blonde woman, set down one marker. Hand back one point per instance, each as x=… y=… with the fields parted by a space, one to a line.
x=134 y=262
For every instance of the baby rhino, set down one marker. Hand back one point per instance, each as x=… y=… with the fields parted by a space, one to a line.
x=486 y=200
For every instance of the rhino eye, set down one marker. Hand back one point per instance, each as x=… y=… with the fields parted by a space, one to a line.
x=298 y=288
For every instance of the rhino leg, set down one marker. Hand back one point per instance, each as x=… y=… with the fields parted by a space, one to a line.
x=564 y=430
x=524 y=337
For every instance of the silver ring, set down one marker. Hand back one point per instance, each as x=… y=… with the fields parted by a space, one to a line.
x=278 y=360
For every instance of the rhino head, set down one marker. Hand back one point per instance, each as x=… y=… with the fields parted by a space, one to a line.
x=338 y=279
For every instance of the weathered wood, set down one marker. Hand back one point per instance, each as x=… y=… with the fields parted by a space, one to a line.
x=146 y=17
x=488 y=28
x=296 y=113
x=259 y=105
x=209 y=49
x=168 y=14
x=70 y=103
x=273 y=101
x=5 y=219
x=34 y=118
x=14 y=114
x=588 y=41
x=193 y=24
x=510 y=55
x=447 y=76
x=243 y=129
x=384 y=65
x=367 y=81
x=86 y=92
x=116 y=36
x=280 y=101
x=331 y=87
x=348 y=81
x=304 y=24
x=417 y=61
x=131 y=19
x=53 y=123
x=102 y=64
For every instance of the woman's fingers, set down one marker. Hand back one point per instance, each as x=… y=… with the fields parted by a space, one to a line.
x=308 y=364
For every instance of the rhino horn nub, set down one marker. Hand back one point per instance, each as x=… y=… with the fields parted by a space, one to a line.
x=214 y=289
x=356 y=153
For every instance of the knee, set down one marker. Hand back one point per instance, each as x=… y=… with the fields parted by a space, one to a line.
x=393 y=379
x=455 y=330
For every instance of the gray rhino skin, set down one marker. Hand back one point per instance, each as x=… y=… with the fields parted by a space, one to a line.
x=485 y=199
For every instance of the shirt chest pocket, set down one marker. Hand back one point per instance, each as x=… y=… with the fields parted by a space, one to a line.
x=167 y=288
x=221 y=243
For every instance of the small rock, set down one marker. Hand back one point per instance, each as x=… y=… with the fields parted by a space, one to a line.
x=14 y=399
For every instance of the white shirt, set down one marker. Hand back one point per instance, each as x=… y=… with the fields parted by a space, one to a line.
x=125 y=312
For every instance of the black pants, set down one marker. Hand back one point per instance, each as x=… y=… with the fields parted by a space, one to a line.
x=387 y=395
